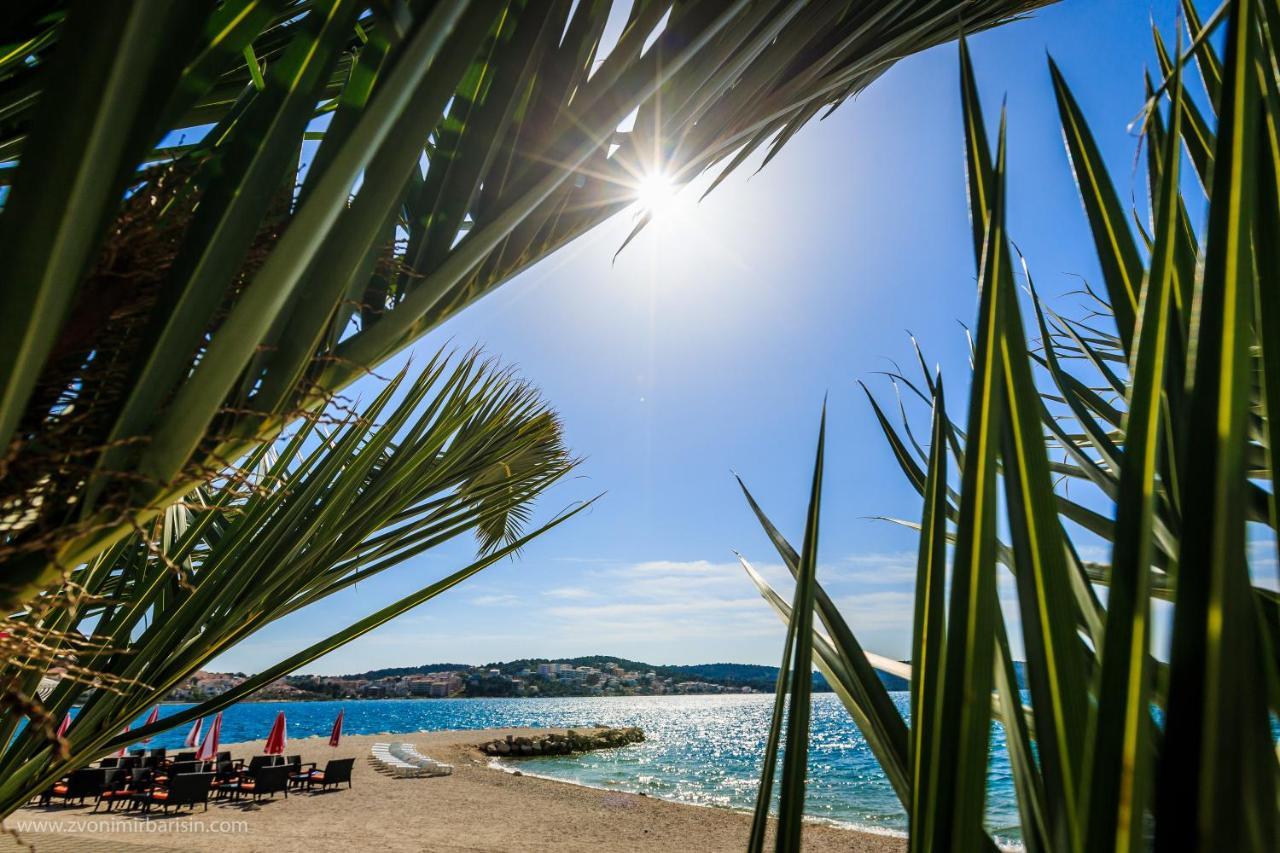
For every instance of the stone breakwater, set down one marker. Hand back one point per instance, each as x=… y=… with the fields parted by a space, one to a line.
x=562 y=744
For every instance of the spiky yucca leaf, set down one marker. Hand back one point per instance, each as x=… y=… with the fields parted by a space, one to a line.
x=1166 y=415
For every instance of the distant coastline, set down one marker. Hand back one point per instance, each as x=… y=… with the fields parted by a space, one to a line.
x=528 y=678
x=594 y=675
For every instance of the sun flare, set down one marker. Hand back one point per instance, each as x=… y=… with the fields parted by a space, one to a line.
x=655 y=193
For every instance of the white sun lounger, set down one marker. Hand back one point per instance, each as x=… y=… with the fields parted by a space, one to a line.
x=403 y=760
x=384 y=760
x=409 y=754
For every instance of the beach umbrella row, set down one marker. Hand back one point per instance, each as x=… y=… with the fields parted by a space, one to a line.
x=277 y=738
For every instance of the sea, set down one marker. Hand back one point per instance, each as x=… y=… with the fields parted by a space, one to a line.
x=702 y=750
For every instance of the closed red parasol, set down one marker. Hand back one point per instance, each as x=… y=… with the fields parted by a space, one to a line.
x=277 y=739
x=193 y=736
x=151 y=718
x=336 y=734
x=209 y=749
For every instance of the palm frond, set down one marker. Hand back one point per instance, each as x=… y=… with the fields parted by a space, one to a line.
x=1160 y=407
x=466 y=448
x=204 y=258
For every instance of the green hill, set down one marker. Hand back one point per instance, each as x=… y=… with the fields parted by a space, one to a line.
x=756 y=676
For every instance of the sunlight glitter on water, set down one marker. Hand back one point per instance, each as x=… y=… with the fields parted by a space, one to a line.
x=703 y=750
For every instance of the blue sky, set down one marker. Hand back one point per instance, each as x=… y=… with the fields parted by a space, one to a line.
x=707 y=348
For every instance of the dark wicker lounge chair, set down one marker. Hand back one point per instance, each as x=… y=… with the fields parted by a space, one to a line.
x=255 y=764
x=81 y=784
x=185 y=756
x=118 y=788
x=179 y=768
x=225 y=777
x=185 y=790
x=335 y=772
x=298 y=776
x=267 y=781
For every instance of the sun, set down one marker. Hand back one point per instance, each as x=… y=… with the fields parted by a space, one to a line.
x=655 y=193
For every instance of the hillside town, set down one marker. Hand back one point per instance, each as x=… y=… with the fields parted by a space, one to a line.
x=550 y=678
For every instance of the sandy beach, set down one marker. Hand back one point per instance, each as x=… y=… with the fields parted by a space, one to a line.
x=478 y=808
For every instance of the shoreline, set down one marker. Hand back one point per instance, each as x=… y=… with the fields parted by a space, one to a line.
x=304 y=699
x=835 y=823
x=479 y=808
x=510 y=765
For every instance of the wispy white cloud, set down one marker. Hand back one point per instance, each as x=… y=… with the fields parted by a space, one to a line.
x=713 y=603
x=697 y=602
x=677 y=607
x=1263 y=564
x=497 y=600
x=1094 y=552
x=700 y=622
x=659 y=610
x=878 y=568
x=668 y=580
x=655 y=574
x=573 y=593
x=679 y=567
x=874 y=611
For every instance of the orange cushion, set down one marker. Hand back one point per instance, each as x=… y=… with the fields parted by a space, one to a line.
x=160 y=795
x=59 y=789
x=247 y=786
x=317 y=774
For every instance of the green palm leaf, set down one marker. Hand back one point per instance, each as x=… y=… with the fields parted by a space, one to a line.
x=440 y=150
x=465 y=447
x=1217 y=709
x=795 y=759
x=1168 y=423
x=929 y=627
x=1118 y=779
x=1117 y=253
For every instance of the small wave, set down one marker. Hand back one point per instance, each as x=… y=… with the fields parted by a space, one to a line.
x=506 y=766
